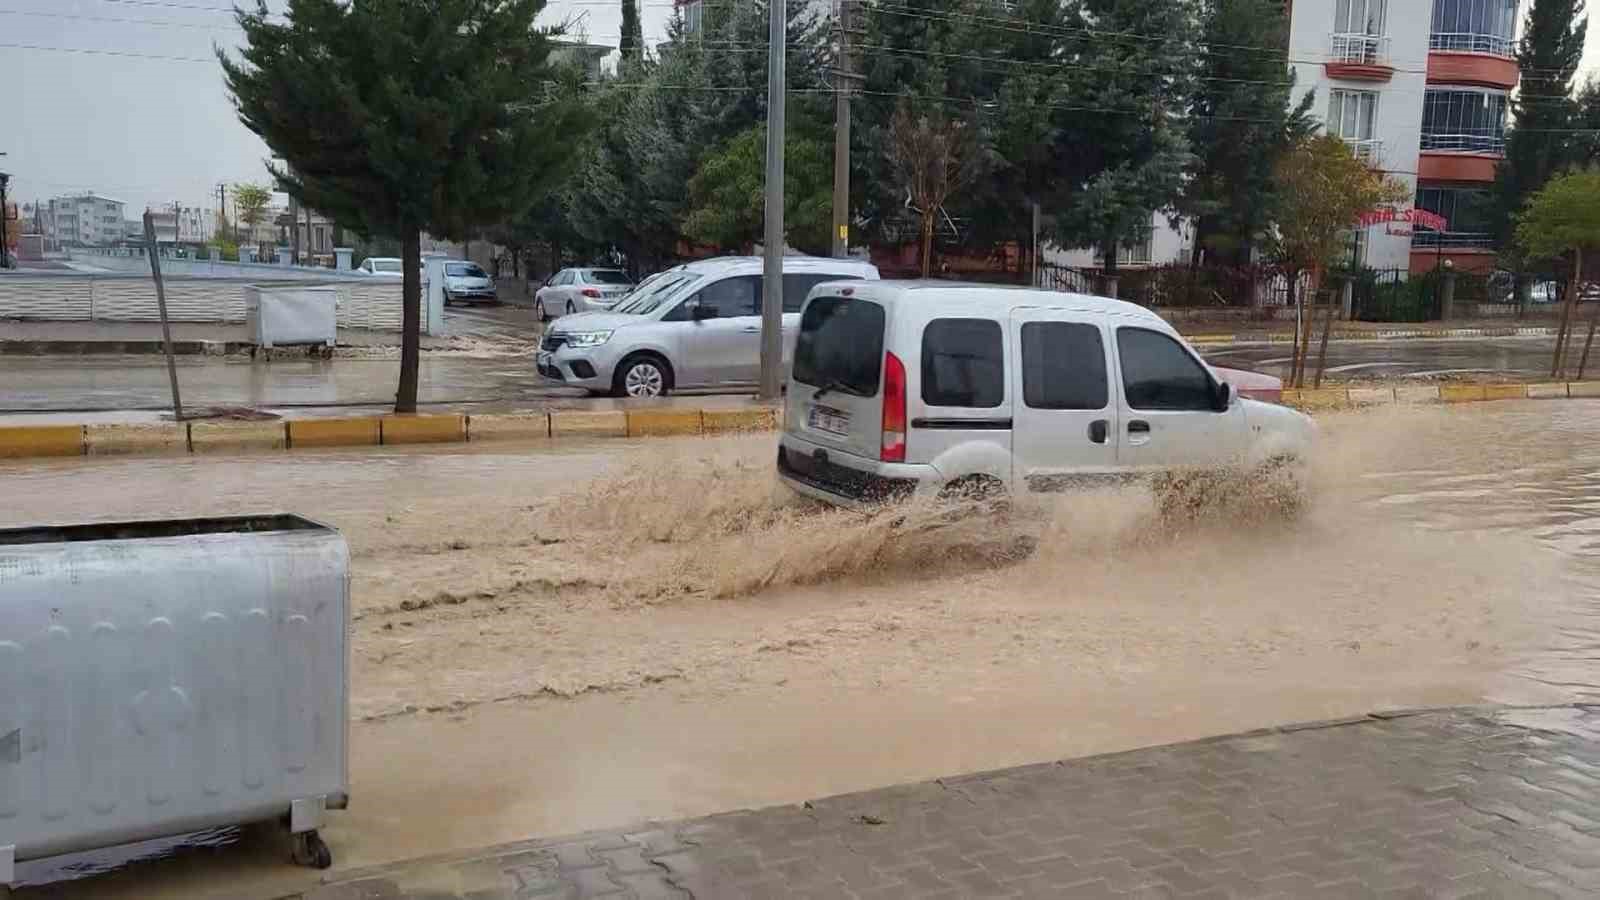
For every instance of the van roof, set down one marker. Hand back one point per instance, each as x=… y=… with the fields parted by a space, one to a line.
x=1001 y=299
x=792 y=263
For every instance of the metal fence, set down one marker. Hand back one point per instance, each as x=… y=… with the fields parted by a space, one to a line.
x=1393 y=295
x=374 y=305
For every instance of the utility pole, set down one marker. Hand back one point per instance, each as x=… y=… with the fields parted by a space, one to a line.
x=844 y=79
x=222 y=209
x=772 y=283
x=161 y=306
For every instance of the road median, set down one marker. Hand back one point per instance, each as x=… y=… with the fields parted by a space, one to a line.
x=216 y=437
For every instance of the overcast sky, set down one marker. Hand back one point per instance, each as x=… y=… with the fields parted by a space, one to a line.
x=151 y=130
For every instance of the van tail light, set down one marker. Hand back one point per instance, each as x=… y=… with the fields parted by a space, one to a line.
x=592 y=292
x=894 y=409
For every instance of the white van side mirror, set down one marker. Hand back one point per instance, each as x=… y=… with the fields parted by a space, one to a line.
x=1225 y=395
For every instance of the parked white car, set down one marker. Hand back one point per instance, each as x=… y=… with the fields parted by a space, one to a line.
x=692 y=326
x=898 y=387
x=381 y=267
x=580 y=290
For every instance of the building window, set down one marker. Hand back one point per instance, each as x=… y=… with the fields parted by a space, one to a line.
x=1475 y=26
x=1467 y=120
x=693 y=16
x=1352 y=114
x=1358 y=17
x=1466 y=215
x=1139 y=253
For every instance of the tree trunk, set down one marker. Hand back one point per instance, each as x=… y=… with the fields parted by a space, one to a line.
x=405 y=398
x=927 y=242
x=1564 y=332
x=1322 y=351
x=1583 y=361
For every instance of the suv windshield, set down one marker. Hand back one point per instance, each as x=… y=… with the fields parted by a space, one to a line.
x=658 y=289
x=840 y=345
x=606 y=276
x=464 y=270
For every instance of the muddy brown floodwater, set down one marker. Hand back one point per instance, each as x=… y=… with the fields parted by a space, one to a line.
x=548 y=641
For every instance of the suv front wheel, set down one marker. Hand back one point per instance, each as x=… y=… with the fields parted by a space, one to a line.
x=643 y=376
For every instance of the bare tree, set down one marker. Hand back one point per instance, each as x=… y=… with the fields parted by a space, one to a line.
x=933 y=157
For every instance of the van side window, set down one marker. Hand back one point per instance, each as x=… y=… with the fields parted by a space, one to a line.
x=1063 y=366
x=1157 y=373
x=797 y=286
x=963 y=363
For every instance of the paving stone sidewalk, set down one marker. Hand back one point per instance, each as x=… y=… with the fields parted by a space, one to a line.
x=1460 y=803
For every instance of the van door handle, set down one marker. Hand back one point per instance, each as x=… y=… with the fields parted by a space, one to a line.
x=1099 y=430
x=1138 y=432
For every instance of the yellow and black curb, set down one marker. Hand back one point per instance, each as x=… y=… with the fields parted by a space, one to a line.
x=32 y=441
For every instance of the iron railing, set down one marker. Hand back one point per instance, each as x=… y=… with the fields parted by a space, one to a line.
x=1366 y=49
x=1472 y=42
x=1470 y=240
x=1464 y=143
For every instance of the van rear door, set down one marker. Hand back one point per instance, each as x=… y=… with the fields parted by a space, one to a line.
x=836 y=384
x=1065 y=414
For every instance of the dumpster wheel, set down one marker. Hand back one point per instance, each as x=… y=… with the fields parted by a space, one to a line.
x=311 y=851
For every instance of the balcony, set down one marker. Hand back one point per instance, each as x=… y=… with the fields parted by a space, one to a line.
x=1472 y=42
x=1368 y=151
x=1494 y=144
x=1359 y=57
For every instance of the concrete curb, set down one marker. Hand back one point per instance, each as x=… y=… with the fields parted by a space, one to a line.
x=31 y=441
x=1345 y=398
x=1387 y=334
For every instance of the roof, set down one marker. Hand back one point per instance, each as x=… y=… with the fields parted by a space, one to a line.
x=1005 y=297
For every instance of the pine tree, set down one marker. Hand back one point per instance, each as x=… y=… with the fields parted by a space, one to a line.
x=1121 y=151
x=1540 y=141
x=398 y=116
x=1240 y=124
x=632 y=45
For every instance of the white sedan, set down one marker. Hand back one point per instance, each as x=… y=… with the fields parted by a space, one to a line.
x=580 y=290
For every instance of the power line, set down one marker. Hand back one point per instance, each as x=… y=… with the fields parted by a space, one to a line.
x=159 y=23
x=122 y=53
x=172 y=4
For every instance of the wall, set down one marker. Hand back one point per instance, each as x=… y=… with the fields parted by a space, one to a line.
x=364 y=303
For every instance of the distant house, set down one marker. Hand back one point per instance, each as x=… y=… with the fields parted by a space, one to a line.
x=82 y=220
x=588 y=56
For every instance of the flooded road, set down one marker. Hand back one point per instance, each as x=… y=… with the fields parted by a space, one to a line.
x=551 y=641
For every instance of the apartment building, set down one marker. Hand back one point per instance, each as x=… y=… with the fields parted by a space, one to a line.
x=1422 y=91
x=83 y=220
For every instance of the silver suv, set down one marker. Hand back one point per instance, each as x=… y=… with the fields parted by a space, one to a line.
x=692 y=326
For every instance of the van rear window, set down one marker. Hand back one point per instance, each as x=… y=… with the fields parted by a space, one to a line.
x=840 y=345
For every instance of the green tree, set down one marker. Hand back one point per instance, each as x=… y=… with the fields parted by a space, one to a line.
x=250 y=203
x=1563 y=218
x=1586 y=137
x=399 y=116
x=1240 y=123
x=1540 y=143
x=727 y=194
x=1325 y=190
x=1121 y=151
x=632 y=43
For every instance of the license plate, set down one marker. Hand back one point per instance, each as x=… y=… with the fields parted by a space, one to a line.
x=830 y=420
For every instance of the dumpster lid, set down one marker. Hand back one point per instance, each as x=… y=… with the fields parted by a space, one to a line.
x=157 y=528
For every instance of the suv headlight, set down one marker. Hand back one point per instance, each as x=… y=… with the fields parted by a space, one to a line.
x=587 y=338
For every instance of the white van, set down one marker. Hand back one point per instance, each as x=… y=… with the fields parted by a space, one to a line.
x=898 y=386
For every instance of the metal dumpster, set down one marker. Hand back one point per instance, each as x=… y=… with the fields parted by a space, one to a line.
x=161 y=677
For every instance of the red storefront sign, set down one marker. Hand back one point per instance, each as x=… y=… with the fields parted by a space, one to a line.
x=1419 y=217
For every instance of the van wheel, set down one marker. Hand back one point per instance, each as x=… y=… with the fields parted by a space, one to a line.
x=644 y=375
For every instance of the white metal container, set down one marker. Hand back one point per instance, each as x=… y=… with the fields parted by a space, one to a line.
x=286 y=314
x=162 y=677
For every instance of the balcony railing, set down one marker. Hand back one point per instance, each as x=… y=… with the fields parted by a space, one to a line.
x=1362 y=49
x=1368 y=151
x=1464 y=143
x=1471 y=42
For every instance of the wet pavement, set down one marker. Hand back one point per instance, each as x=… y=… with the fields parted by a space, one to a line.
x=1454 y=804
x=497 y=379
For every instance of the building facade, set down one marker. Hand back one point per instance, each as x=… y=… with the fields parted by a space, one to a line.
x=1421 y=90
x=83 y=220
